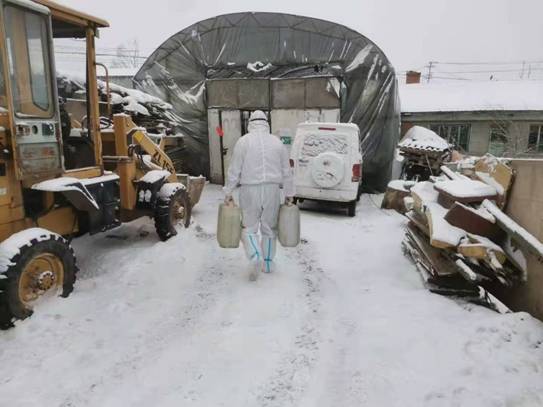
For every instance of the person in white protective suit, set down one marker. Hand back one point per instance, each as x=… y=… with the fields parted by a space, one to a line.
x=260 y=164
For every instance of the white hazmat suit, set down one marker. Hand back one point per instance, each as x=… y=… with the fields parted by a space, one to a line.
x=260 y=164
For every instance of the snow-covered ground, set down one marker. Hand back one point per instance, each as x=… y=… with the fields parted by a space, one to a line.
x=345 y=321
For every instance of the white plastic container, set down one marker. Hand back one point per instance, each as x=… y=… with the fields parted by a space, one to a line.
x=229 y=226
x=289 y=225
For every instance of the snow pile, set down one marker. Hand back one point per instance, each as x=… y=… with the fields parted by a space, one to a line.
x=146 y=110
x=423 y=139
x=472 y=96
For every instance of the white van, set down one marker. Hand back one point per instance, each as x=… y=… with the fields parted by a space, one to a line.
x=327 y=163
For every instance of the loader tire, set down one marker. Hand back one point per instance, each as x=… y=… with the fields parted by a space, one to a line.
x=42 y=266
x=172 y=208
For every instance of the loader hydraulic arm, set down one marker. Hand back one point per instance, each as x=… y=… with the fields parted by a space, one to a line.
x=158 y=156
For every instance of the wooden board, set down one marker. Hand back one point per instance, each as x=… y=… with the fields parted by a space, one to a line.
x=419 y=222
x=463 y=217
x=480 y=251
x=501 y=173
x=441 y=264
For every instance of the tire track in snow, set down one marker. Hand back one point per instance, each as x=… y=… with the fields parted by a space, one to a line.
x=197 y=300
x=291 y=378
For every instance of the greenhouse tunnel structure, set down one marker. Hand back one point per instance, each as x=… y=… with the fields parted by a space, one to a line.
x=297 y=69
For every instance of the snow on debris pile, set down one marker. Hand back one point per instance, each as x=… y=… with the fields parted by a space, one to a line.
x=474 y=264
x=442 y=232
x=146 y=110
x=401 y=185
x=513 y=228
x=421 y=138
x=10 y=247
x=466 y=188
x=424 y=193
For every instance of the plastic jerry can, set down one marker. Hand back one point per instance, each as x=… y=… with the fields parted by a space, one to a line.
x=229 y=226
x=289 y=225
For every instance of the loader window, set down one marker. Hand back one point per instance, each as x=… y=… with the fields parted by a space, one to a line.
x=29 y=62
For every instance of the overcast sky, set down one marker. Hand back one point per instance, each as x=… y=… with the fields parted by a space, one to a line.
x=411 y=33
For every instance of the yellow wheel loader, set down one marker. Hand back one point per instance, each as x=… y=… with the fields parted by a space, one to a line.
x=116 y=174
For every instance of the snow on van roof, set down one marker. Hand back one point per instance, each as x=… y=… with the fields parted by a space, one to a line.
x=472 y=96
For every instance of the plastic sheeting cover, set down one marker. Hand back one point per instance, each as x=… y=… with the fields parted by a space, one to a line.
x=272 y=45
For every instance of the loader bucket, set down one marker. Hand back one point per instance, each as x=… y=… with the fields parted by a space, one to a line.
x=194 y=185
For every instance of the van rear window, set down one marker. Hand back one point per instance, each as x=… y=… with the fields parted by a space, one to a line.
x=315 y=144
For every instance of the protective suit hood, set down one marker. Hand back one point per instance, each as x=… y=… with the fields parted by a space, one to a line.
x=258 y=122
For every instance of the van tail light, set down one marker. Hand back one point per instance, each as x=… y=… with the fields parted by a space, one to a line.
x=291 y=161
x=357 y=172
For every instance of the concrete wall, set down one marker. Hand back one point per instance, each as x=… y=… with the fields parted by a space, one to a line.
x=526 y=207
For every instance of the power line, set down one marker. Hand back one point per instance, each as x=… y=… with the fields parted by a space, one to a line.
x=489 y=71
x=489 y=63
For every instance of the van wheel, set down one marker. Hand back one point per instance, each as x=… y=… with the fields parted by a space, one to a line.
x=351 y=209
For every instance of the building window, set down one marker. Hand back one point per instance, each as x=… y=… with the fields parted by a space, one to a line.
x=535 y=138
x=455 y=134
x=499 y=134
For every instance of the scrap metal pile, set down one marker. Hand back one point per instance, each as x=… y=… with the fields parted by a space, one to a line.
x=157 y=116
x=146 y=110
x=459 y=238
x=423 y=152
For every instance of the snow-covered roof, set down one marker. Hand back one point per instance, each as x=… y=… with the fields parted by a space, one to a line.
x=466 y=96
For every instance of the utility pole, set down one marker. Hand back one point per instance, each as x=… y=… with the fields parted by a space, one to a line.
x=430 y=65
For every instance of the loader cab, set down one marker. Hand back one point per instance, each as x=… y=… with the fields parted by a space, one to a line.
x=28 y=90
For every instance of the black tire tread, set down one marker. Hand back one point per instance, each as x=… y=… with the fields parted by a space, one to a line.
x=164 y=226
x=10 y=306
